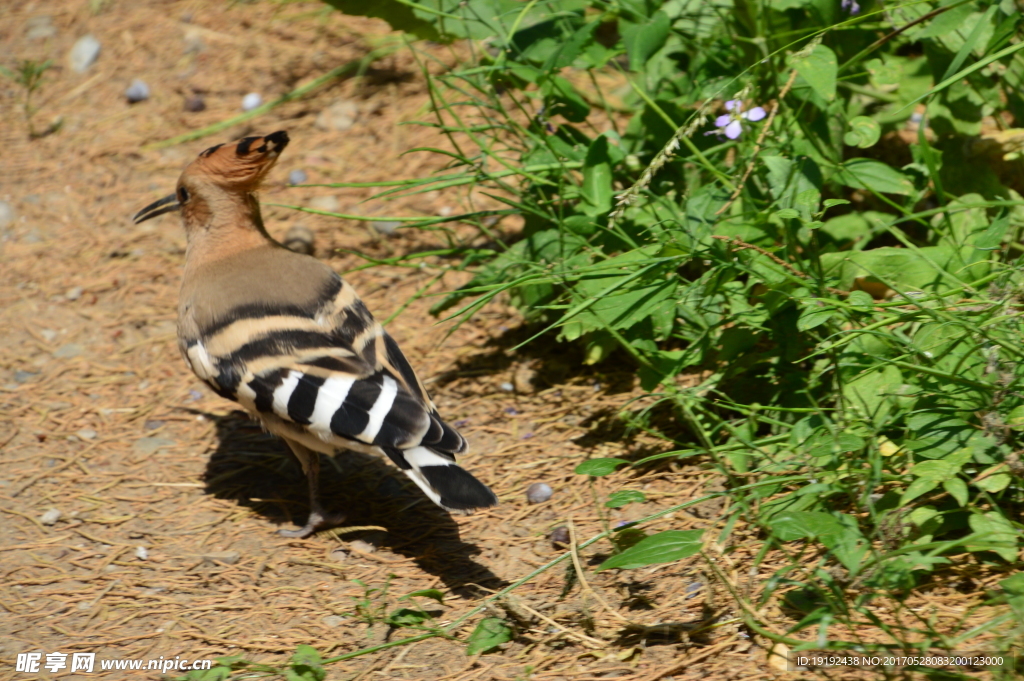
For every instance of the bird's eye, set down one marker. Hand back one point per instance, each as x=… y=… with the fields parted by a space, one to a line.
x=182 y=195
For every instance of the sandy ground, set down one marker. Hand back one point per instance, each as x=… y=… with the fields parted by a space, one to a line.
x=139 y=510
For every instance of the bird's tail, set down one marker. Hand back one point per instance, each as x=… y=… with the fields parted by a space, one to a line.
x=449 y=486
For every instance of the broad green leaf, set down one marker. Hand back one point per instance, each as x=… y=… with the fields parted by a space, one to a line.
x=624 y=496
x=664 y=547
x=838 y=532
x=427 y=593
x=870 y=392
x=813 y=317
x=819 y=69
x=995 y=483
x=644 y=39
x=863 y=133
x=992 y=238
x=957 y=489
x=936 y=470
x=599 y=467
x=787 y=213
x=567 y=51
x=305 y=665
x=1015 y=419
x=917 y=488
x=865 y=173
x=993 y=528
x=488 y=635
x=406 y=617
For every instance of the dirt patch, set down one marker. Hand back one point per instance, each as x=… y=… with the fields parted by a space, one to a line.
x=139 y=509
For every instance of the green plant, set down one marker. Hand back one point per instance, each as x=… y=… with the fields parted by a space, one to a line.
x=29 y=75
x=844 y=269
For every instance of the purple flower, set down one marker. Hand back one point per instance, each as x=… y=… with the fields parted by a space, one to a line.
x=850 y=6
x=731 y=124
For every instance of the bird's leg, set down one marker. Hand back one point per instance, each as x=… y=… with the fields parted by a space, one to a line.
x=318 y=519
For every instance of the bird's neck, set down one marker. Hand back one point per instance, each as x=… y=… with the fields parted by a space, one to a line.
x=224 y=227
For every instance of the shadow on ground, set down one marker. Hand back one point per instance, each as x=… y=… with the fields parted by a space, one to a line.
x=258 y=471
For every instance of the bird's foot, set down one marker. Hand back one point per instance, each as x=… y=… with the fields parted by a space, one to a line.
x=316 y=522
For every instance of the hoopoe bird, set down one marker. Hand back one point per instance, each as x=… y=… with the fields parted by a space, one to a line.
x=284 y=336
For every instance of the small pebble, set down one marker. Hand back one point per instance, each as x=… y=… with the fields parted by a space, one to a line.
x=195 y=104
x=152 y=425
x=339 y=554
x=560 y=536
x=50 y=517
x=86 y=433
x=692 y=588
x=150 y=445
x=141 y=553
x=461 y=423
x=138 y=91
x=538 y=493
x=333 y=620
x=24 y=376
x=297 y=176
x=48 y=334
x=226 y=557
x=74 y=293
x=507 y=387
x=511 y=411
x=194 y=395
x=300 y=239
x=251 y=101
x=362 y=546
x=7 y=214
x=84 y=53
x=328 y=204
x=385 y=227
x=40 y=28
x=339 y=116
x=68 y=351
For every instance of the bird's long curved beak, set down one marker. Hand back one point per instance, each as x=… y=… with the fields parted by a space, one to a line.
x=164 y=205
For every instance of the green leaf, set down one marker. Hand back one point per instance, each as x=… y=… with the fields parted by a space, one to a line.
x=864 y=132
x=936 y=470
x=567 y=51
x=427 y=593
x=1015 y=419
x=599 y=467
x=597 y=177
x=407 y=617
x=787 y=213
x=813 y=317
x=957 y=489
x=992 y=238
x=916 y=489
x=995 y=483
x=644 y=39
x=488 y=635
x=819 y=69
x=401 y=17
x=561 y=98
x=305 y=665
x=865 y=173
x=993 y=528
x=624 y=496
x=663 y=547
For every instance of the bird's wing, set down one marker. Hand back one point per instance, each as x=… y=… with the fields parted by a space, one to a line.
x=324 y=365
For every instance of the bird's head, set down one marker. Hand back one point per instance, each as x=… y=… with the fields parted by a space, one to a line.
x=224 y=174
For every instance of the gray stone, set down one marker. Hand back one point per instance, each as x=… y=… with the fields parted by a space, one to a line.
x=142 y=553
x=300 y=239
x=24 y=376
x=251 y=101
x=7 y=214
x=138 y=91
x=538 y=493
x=333 y=621
x=195 y=103
x=74 y=293
x=40 y=28
x=386 y=227
x=297 y=176
x=149 y=445
x=50 y=517
x=86 y=433
x=68 y=351
x=328 y=204
x=226 y=557
x=84 y=53
x=507 y=387
x=339 y=116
